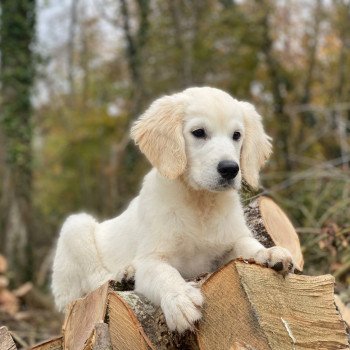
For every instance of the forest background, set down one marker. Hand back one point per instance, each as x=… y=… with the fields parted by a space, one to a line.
x=75 y=74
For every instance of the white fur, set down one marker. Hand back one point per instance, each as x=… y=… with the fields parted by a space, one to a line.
x=185 y=221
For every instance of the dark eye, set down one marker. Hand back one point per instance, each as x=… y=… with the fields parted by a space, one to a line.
x=199 y=133
x=236 y=135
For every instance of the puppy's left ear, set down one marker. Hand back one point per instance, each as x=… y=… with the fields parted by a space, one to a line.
x=158 y=133
x=256 y=148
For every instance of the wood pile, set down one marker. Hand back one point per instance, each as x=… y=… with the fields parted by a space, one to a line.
x=247 y=306
x=6 y=340
x=9 y=300
x=27 y=312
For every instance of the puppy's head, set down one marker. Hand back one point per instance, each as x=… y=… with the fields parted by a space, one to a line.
x=205 y=136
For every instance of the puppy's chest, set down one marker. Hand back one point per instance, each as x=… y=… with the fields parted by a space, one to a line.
x=195 y=254
x=192 y=260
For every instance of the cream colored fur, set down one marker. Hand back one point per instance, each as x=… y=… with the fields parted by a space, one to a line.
x=186 y=219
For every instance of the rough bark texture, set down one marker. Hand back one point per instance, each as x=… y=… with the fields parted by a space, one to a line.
x=99 y=338
x=271 y=226
x=6 y=341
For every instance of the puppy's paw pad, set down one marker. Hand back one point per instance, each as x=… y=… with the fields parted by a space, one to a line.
x=278 y=266
x=182 y=309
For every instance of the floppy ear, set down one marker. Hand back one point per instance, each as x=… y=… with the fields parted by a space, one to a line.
x=256 y=148
x=158 y=133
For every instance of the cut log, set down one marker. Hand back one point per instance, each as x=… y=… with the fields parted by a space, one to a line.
x=343 y=309
x=241 y=346
x=6 y=341
x=99 y=338
x=267 y=311
x=247 y=306
x=82 y=316
x=52 y=344
x=271 y=226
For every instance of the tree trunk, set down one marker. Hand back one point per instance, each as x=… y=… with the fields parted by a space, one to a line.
x=135 y=42
x=339 y=117
x=278 y=82
x=17 y=74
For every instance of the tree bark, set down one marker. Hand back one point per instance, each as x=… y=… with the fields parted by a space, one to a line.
x=6 y=341
x=17 y=33
x=271 y=226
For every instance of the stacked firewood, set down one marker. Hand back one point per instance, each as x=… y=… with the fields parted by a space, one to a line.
x=26 y=311
x=247 y=306
x=9 y=302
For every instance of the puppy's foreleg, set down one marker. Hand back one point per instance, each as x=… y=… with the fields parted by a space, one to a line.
x=277 y=258
x=164 y=286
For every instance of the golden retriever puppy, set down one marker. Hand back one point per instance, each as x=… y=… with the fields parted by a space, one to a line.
x=201 y=143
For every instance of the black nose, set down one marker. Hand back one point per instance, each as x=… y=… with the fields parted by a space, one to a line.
x=228 y=169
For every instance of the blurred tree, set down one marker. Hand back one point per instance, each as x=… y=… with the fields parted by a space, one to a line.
x=17 y=31
x=279 y=84
x=135 y=42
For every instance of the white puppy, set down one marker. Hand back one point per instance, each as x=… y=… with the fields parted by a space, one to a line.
x=188 y=215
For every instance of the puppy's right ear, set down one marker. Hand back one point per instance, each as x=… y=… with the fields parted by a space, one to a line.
x=256 y=148
x=158 y=133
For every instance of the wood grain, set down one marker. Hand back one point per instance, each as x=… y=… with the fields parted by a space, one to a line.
x=51 y=344
x=82 y=316
x=267 y=311
x=6 y=341
x=125 y=329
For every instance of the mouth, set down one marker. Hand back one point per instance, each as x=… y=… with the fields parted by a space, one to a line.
x=224 y=185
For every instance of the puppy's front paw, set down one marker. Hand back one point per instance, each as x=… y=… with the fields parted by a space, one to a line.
x=182 y=309
x=277 y=258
